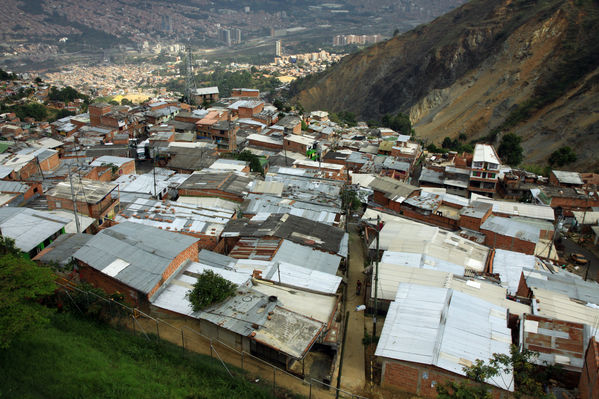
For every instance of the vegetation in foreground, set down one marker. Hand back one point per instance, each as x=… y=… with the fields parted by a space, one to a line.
x=76 y=358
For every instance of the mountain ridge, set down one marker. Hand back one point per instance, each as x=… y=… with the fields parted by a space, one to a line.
x=485 y=69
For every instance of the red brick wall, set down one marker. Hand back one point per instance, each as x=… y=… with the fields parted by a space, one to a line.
x=523 y=290
x=470 y=223
x=109 y=284
x=433 y=218
x=191 y=253
x=421 y=379
x=92 y=210
x=27 y=171
x=295 y=147
x=50 y=163
x=379 y=198
x=266 y=145
x=589 y=379
x=495 y=240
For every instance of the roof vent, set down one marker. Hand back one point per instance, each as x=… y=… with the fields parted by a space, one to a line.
x=272 y=298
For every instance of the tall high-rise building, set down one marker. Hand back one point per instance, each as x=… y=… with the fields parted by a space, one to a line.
x=237 y=35
x=226 y=36
x=278 y=48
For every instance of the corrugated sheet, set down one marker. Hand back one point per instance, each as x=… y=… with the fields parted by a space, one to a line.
x=557 y=342
x=509 y=265
x=148 y=250
x=511 y=228
x=445 y=328
x=304 y=256
x=29 y=227
x=403 y=235
x=303 y=277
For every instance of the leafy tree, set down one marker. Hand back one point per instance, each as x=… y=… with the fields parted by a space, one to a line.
x=126 y=101
x=350 y=200
x=210 y=289
x=528 y=378
x=400 y=123
x=22 y=282
x=462 y=137
x=253 y=159
x=66 y=94
x=33 y=110
x=562 y=156
x=510 y=149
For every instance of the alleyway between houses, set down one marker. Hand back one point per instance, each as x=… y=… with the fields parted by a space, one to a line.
x=353 y=375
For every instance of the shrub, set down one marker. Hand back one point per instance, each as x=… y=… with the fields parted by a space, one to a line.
x=210 y=289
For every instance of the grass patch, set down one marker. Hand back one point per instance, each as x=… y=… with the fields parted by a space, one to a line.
x=76 y=358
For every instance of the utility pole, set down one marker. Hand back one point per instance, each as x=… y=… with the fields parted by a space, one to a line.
x=74 y=201
x=376 y=275
x=154 y=170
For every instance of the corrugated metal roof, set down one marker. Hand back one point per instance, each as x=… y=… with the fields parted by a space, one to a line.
x=557 y=342
x=109 y=159
x=304 y=256
x=303 y=277
x=266 y=204
x=565 y=283
x=445 y=328
x=29 y=227
x=509 y=265
x=511 y=228
x=404 y=235
x=256 y=248
x=13 y=187
x=216 y=260
x=517 y=208
x=175 y=216
x=148 y=250
x=559 y=306
x=565 y=177
x=62 y=249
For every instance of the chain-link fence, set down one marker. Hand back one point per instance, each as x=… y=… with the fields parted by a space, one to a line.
x=236 y=362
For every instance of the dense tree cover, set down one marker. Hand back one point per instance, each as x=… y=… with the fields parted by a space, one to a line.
x=66 y=94
x=346 y=117
x=562 y=156
x=210 y=289
x=400 y=123
x=22 y=283
x=7 y=76
x=63 y=113
x=510 y=150
x=34 y=110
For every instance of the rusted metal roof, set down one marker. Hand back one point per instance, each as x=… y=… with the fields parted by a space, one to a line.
x=558 y=342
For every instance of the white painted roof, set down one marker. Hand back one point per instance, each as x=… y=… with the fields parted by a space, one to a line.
x=485 y=153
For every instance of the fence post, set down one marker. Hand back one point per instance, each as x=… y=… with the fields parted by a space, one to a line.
x=133 y=323
x=157 y=330
x=242 y=352
x=211 y=349
x=182 y=340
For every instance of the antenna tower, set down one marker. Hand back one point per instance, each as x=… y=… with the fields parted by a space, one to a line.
x=190 y=84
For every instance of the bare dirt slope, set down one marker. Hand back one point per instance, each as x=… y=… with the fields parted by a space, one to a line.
x=489 y=67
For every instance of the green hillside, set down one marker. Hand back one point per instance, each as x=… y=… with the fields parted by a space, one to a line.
x=75 y=358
